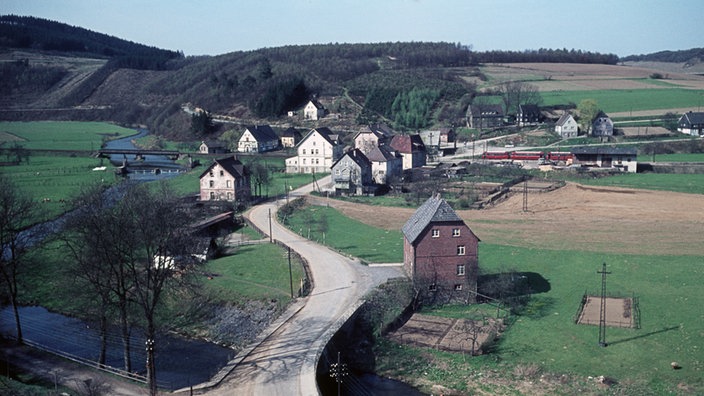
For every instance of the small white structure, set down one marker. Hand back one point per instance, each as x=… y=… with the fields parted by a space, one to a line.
x=313 y=110
x=258 y=139
x=566 y=126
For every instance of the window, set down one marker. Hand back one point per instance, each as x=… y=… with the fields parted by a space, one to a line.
x=228 y=183
x=211 y=173
x=316 y=151
x=460 y=250
x=229 y=196
x=212 y=195
x=222 y=173
x=458 y=287
x=304 y=161
x=304 y=151
x=460 y=270
x=337 y=171
x=436 y=233
x=212 y=184
x=455 y=232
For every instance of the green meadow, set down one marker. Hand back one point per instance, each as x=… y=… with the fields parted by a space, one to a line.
x=617 y=100
x=60 y=135
x=686 y=183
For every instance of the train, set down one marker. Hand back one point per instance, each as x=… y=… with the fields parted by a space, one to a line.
x=528 y=155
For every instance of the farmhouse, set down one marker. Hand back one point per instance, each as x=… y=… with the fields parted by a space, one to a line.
x=411 y=148
x=313 y=110
x=372 y=136
x=440 y=253
x=480 y=116
x=528 y=114
x=566 y=126
x=623 y=158
x=387 y=165
x=352 y=173
x=602 y=125
x=226 y=179
x=258 y=139
x=691 y=123
x=316 y=153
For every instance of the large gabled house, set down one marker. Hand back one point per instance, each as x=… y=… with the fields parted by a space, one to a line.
x=352 y=173
x=481 y=116
x=316 y=152
x=566 y=126
x=602 y=125
x=440 y=253
x=372 y=136
x=387 y=164
x=226 y=179
x=258 y=139
x=411 y=148
x=691 y=123
x=528 y=114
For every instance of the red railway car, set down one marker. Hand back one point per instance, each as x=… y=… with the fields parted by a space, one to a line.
x=559 y=156
x=496 y=155
x=526 y=155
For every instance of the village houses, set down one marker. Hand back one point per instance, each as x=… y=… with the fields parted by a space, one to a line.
x=440 y=253
x=387 y=164
x=226 y=179
x=290 y=138
x=316 y=152
x=411 y=148
x=372 y=136
x=352 y=173
x=691 y=123
x=566 y=126
x=602 y=125
x=313 y=110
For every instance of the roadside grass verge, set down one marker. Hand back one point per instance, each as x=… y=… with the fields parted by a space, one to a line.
x=693 y=157
x=545 y=336
x=63 y=135
x=254 y=272
x=617 y=100
x=328 y=226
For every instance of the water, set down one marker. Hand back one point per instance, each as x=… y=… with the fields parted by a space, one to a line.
x=152 y=167
x=180 y=362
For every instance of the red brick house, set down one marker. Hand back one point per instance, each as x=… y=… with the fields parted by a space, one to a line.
x=227 y=179
x=440 y=253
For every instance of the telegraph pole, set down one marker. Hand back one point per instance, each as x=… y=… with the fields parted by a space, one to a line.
x=525 y=195
x=290 y=272
x=271 y=238
x=602 y=309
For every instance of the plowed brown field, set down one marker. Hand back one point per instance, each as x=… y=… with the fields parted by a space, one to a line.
x=575 y=217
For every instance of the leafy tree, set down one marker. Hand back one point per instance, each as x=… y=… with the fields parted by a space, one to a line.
x=231 y=139
x=587 y=109
x=15 y=210
x=260 y=174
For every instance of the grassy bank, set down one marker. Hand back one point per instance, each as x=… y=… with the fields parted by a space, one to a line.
x=61 y=135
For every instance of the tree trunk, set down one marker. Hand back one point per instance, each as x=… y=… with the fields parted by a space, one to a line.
x=16 y=311
x=151 y=367
x=103 y=339
x=125 y=330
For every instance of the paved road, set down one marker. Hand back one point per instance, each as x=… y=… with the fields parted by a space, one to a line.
x=285 y=362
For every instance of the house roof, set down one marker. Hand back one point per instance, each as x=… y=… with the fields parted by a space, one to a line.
x=601 y=114
x=529 y=109
x=291 y=133
x=316 y=104
x=407 y=144
x=381 y=154
x=604 y=150
x=357 y=156
x=262 y=133
x=484 y=110
x=325 y=132
x=381 y=131
x=434 y=210
x=213 y=143
x=693 y=118
x=231 y=165
x=563 y=119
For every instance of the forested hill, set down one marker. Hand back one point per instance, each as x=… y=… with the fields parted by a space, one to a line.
x=24 y=32
x=669 y=56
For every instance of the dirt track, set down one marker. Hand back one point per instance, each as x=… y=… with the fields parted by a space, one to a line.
x=576 y=217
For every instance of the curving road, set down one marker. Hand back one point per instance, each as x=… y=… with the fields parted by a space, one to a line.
x=285 y=362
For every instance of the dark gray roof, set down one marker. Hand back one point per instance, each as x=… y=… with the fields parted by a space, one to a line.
x=486 y=110
x=692 y=118
x=434 y=210
x=357 y=156
x=231 y=165
x=381 y=154
x=563 y=119
x=604 y=150
x=529 y=109
x=262 y=133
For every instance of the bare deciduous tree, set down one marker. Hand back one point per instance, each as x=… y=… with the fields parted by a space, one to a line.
x=15 y=210
x=515 y=93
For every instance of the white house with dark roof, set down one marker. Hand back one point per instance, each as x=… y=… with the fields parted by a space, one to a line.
x=528 y=114
x=372 y=136
x=566 y=126
x=258 y=139
x=352 y=173
x=313 y=110
x=316 y=152
x=691 y=123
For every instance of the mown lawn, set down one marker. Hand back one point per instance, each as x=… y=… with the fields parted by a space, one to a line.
x=256 y=272
x=546 y=337
x=329 y=227
x=60 y=135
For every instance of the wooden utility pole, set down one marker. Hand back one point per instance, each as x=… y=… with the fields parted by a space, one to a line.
x=290 y=271
x=602 y=309
x=271 y=238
